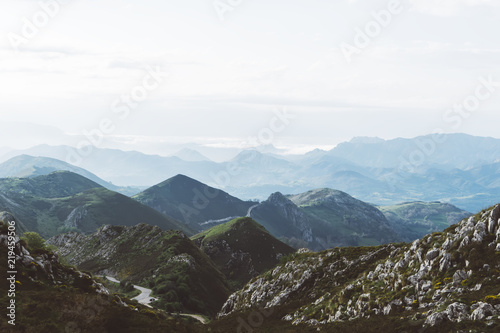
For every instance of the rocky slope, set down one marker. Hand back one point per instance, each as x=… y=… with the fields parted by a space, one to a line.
x=355 y=222
x=444 y=280
x=179 y=273
x=242 y=249
x=53 y=297
x=322 y=219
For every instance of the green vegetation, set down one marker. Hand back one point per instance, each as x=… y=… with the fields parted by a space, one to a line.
x=34 y=241
x=223 y=231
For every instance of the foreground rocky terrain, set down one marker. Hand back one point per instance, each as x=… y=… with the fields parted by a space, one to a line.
x=449 y=279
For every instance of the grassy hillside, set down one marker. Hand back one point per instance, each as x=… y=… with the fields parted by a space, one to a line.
x=64 y=201
x=413 y=220
x=241 y=249
x=168 y=262
x=192 y=202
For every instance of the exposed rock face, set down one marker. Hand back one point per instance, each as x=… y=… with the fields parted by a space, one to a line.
x=45 y=266
x=425 y=281
x=292 y=213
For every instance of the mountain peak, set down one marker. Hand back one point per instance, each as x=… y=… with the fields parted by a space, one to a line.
x=192 y=202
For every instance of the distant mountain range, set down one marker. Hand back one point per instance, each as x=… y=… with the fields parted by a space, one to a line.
x=318 y=219
x=455 y=168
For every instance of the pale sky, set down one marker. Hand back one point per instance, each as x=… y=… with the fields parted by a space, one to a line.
x=223 y=80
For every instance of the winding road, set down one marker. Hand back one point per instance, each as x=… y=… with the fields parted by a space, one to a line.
x=145 y=298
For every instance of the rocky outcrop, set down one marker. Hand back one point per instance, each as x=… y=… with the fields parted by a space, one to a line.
x=44 y=265
x=426 y=281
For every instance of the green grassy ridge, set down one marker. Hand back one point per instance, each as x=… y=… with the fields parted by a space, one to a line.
x=44 y=204
x=168 y=262
x=192 y=202
x=259 y=251
x=224 y=230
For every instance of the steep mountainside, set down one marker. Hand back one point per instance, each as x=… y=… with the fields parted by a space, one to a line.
x=287 y=222
x=349 y=217
x=52 y=297
x=444 y=281
x=193 y=203
x=179 y=273
x=63 y=201
x=241 y=249
x=25 y=166
x=413 y=220
x=325 y=219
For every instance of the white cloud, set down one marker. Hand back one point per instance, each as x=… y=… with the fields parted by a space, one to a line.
x=448 y=7
x=224 y=74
